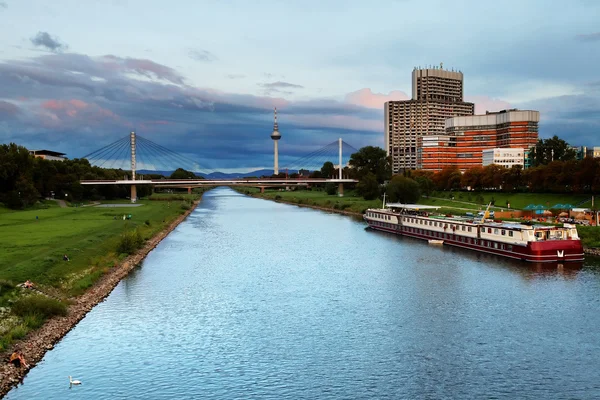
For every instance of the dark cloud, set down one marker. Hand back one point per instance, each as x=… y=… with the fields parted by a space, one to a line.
x=8 y=109
x=589 y=37
x=574 y=118
x=201 y=55
x=78 y=104
x=43 y=39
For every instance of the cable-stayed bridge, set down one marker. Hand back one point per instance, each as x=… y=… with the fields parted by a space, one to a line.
x=134 y=153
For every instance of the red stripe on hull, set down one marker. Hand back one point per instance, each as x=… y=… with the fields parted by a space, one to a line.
x=539 y=252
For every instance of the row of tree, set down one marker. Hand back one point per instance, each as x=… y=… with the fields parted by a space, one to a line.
x=25 y=179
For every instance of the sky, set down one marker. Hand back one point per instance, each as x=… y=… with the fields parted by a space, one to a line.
x=202 y=77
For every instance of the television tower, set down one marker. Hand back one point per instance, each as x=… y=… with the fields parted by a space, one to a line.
x=276 y=136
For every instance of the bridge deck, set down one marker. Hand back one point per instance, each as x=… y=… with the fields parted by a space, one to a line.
x=182 y=182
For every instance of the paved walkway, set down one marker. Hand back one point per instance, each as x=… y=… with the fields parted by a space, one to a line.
x=61 y=203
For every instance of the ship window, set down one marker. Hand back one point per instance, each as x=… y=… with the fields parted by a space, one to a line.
x=502 y=246
x=510 y=233
x=495 y=245
x=509 y=247
x=469 y=229
x=496 y=231
x=462 y=227
x=489 y=230
x=503 y=232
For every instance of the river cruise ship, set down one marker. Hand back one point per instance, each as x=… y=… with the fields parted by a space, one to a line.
x=535 y=243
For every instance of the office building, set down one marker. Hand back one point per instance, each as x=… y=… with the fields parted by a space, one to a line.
x=503 y=157
x=467 y=137
x=437 y=94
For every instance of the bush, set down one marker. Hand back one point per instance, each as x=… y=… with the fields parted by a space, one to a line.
x=19 y=332
x=186 y=205
x=130 y=241
x=5 y=285
x=331 y=189
x=147 y=222
x=278 y=197
x=45 y=307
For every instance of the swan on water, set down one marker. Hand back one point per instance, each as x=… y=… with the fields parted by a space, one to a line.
x=74 y=382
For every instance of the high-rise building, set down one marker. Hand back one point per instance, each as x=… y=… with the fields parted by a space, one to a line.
x=437 y=94
x=467 y=137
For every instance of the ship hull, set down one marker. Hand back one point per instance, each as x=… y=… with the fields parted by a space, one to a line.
x=538 y=252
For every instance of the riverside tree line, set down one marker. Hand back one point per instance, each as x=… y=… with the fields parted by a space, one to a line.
x=25 y=179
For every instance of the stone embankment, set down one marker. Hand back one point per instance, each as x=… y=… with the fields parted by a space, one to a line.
x=35 y=345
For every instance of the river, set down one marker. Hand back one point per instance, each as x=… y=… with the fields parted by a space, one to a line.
x=258 y=300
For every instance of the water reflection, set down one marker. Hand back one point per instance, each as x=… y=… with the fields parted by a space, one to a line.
x=253 y=299
x=528 y=270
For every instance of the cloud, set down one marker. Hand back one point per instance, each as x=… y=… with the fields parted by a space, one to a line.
x=201 y=55
x=3 y=4
x=589 y=37
x=235 y=76
x=485 y=103
x=43 y=39
x=366 y=98
x=80 y=103
x=281 y=85
x=8 y=109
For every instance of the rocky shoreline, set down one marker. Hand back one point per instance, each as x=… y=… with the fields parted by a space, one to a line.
x=34 y=346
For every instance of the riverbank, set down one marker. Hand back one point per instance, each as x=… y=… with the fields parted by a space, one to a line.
x=590 y=236
x=35 y=345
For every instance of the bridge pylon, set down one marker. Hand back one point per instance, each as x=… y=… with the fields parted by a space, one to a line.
x=341 y=185
x=133 y=194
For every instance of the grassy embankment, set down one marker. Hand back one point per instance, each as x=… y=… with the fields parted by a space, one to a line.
x=350 y=202
x=461 y=204
x=33 y=242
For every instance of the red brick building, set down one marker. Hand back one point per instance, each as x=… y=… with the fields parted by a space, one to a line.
x=467 y=137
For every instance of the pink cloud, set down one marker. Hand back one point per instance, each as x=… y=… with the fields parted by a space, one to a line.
x=61 y=113
x=485 y=103
x=366 y=98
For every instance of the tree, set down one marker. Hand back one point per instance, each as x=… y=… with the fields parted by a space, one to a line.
x=368 y=187
x=472 y=178
x=403 y=190
x=181 y=173
x=327 y=170
x=448 y=178
x=371 y=159
x=330 y=189
x=553 y=149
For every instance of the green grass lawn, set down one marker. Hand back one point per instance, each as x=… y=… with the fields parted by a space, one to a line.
x=517 y=200
x=33 y=242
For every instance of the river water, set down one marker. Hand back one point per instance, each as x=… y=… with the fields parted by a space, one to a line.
x=250 y=299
